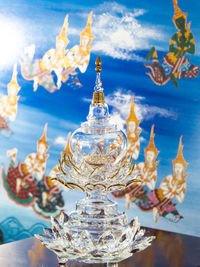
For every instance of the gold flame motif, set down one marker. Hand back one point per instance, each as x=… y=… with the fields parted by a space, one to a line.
x=43 y=139
x=132 y=115
x=13 y=81
x=151 y=146
x=62 y=35
x=87 y=30
x=179 y=158
x=178 y=12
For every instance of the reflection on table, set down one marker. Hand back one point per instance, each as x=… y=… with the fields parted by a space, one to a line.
x=169 y=249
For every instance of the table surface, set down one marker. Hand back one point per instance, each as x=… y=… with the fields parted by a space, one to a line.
x=168 y=249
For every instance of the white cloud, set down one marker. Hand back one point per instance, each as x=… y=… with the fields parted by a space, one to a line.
x=117 y=119
x=60 y=140
x=142 y=139
x=120 y=104
x=3 y=85
x=118 y=32
x=73 y=31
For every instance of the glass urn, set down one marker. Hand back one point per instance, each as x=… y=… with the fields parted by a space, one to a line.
x=95 y=161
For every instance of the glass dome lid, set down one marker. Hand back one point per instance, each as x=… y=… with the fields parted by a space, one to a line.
x=98 y=142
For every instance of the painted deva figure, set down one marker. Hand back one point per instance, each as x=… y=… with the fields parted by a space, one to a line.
x=148 y=174
x=172 y=187
x=28 y=185
x=60 y=60
x=36 y=162
x=19 y=184
x=9 y=103
x=20 y=181
x=54 y=59
x=49 y=200
x=79 y=55
x=39 y=70
x=132 y=124
x=175 y=64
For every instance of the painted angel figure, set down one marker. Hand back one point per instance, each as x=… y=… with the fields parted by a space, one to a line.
x=175 y=64
x=35 y=163
x=133 y=133
x=9 y=103
x=54 y=59
x=49 y=200
x=148 y=174
x=173 y=187
x=60 y=60
x=40 y=70
x=79 y=55
x=18 y=183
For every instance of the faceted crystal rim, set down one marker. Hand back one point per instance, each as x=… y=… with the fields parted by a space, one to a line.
x=85 y=247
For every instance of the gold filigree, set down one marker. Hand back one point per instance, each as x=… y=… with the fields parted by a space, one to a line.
x=132 y=169
x=74 y=186
x=69 y=185
x=95 y=185
x=93 y=171
x=87 y=174
x=70 y=164
x=132 y=181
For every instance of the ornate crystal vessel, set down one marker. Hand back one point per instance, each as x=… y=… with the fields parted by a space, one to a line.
x=96 y=161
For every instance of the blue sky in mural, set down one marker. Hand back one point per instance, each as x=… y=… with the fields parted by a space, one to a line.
x=124 y=32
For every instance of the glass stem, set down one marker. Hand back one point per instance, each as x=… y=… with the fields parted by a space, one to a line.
x=112 y=264
x=98 y=195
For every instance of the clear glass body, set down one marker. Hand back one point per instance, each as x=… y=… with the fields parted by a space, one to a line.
x=97 y=163
x=98 y=143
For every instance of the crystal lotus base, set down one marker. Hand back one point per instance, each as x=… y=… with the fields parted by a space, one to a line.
x=95 y=232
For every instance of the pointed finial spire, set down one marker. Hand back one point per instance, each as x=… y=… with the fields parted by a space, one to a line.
x=151 y=146
x=98 y=95
x=179 y=158
x=98 y=65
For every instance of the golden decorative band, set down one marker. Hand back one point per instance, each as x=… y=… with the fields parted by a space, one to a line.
x=98 y=98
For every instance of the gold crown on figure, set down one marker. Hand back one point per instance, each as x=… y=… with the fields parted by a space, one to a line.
x=178 y=12
x=151 y=146
x=179 y=158
x=13 y=81
x=43 y=139
x=62 y=35
x=132 y=115
x=87 y=30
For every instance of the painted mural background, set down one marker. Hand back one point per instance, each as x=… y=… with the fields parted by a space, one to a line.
x=123 y=35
